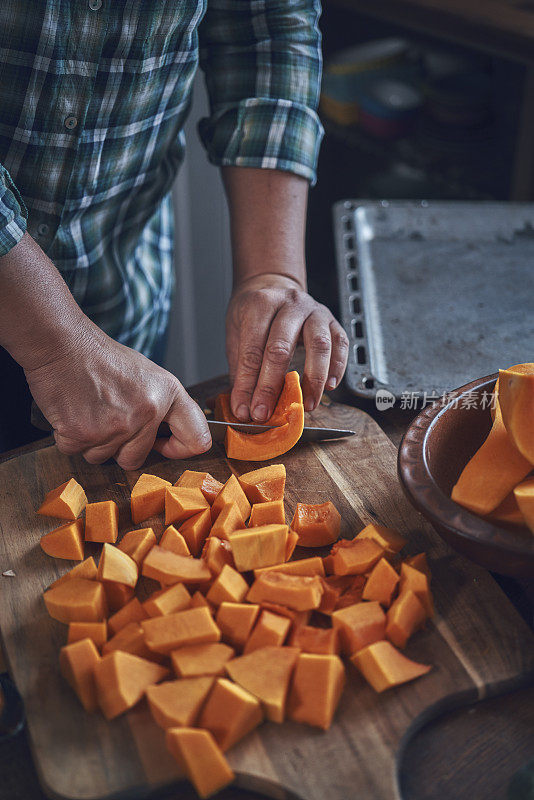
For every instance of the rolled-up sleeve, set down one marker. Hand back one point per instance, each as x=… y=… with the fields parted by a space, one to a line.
x=13 y=214
x=262 y=60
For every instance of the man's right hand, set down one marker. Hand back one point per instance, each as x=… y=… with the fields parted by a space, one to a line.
x=102 y=399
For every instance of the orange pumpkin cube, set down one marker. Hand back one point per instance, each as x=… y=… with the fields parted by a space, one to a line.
x=316 y=525
x=228 y=520
x=87 y=569
x=353 y=594
x=266 y=673
x=208 y=485
x=236 y=621
x=65 y=541
x=177 y=703
x=417 y=581
x=77 y=662
x=231 y=493
x=316 y=689
x=66 y=501
x=148 y=497
x=355 y=557
x=230 y=713
x=381 y=583
x=117 y=594
x=405 y=616
x=131 y=639
x=420 y=562
x=270 y=630
x=388 y=538
x=199 y=601
x=269 y=513
x=169 y=568
x=216 y=553
x=116 y=566
x=167 y=601
x=96 y=631
x=228 y=587
x=122 y=679
x=173 y=540
x=180 y=504
x=192 y=626
x=265 y=484
x=298 y=592
x=383 y=666
x=297 y=618
x=200 y=758
x=304 y=566
x=195 y=531
x=359 y=625
x=197 y=660
x=77 y=600
x=133 y=611
x=291 y=542
x=319 y=641
x=101 y=522
x=258 y=547
x=137 y=544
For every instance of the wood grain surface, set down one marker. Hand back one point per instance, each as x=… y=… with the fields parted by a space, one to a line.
x=477 y=641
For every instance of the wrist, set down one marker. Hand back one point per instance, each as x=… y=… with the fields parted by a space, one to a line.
x=277 y=279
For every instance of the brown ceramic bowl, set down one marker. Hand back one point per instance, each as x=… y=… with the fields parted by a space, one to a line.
x=433 y=452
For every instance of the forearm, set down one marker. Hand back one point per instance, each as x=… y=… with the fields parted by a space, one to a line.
x=268 y=220
x=38 y=314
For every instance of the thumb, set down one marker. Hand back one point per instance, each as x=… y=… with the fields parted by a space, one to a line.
x=190 y=434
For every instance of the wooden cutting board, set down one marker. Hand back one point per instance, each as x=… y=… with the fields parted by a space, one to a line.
x=477 y=641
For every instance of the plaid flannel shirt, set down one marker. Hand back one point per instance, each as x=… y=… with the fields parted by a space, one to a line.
x=93 y=99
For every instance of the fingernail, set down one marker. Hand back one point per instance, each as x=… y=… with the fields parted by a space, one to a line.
x=242 y=412
x=308 y=405
x=260 y=413
x=331 y=384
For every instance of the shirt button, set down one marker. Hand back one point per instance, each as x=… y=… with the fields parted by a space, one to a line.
x=94 y=5
x=70 y=123
x=42 y=229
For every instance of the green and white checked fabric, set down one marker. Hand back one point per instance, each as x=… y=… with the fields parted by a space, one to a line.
x=93 y=99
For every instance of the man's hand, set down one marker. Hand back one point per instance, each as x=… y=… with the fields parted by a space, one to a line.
x=267 y=316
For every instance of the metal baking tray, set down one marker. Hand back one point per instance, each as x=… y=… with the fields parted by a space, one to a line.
x=433 y=293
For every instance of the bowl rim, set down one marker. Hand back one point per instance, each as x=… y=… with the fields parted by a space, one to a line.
x=425 y=494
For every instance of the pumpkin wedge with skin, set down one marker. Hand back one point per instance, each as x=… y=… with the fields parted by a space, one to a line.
x=516 y=402
x=178 y=703
x=200 y=758
x=236 y=621
x=208 y=485
x=269 y=513
x=192 y=626
x=102 y=522
x=524 y=496
x=195 y=531
x=316 y=689
x=77 y=662
x=492 y=473
x=266 y=673
x=270 y=631
x=96 y=631
x=137 y=544
x=116 y=566
x=122 y=679
x=86 y=569
x=230 y=713
x=173 y=540
x=167 y=601
x=383 y=666
x=269 y=444
x=405 y=616
x=148 y=497
x=197 y=660
x=65 y=541
x=65 y=502
x=131 y=612
x=359 y=625
x=77 y=600
x=316 y=525
x=264 y=484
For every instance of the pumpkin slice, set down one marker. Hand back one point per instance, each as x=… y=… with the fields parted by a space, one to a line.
x=102 y=522
x=122 y=679
x=230 y=713
x=304 y=566
x=316 y=689
x=359 y=625
x=133 y=611
x=516 y=402
x=381 y=583
x=269 y=513
x=356 y=556
x=216 y=553
x=405 y=616
x=266 y=673
x=236 y=621
x=173 y=540
x=96 y=631
x=180 y=504
x=197 y=660
x=231 y=493
x=168 y=568
x=298 y=592
x=77 y=662
x=65 y=541
x=258 y=547
x=77 y=600
x=270 y=631
x=137 y=544
x=87 y=569
x=208 y=485
x=117 y=594
x=383 y=666
x=116 y=566
x=148 y=497
x=195 y=531
x=320 y=641
x=228 y=520
x=66 y=501
x=177 y=703
x=316 y=525
x=228 y=587
x=265 y=484
x=388 y=538
x=167 y=601
x=491 y=474
x=524 y=496
x=269 y=444
x=192 y=626
x=131 y=639
x=200 y=758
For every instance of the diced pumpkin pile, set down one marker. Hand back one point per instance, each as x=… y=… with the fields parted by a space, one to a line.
x=235 y=632
x=495 y=482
